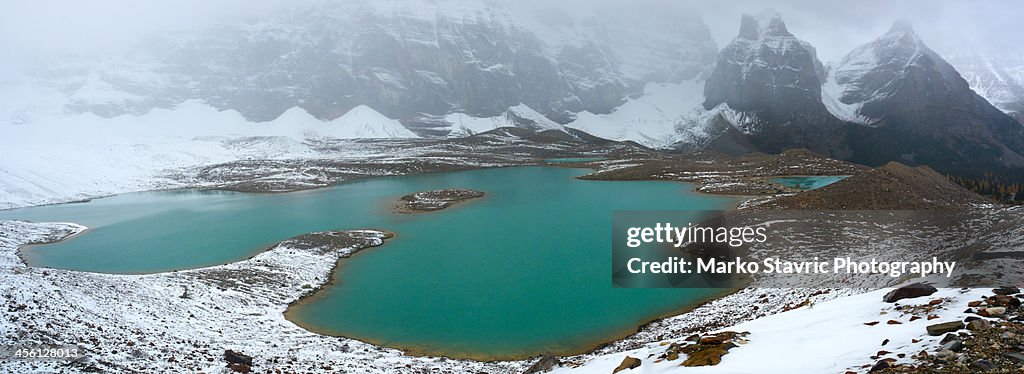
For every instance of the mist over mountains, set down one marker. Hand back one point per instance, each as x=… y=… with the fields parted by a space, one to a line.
x=649 y=74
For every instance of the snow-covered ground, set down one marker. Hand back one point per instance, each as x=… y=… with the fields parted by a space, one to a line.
x=665 y=114
x=827 y=337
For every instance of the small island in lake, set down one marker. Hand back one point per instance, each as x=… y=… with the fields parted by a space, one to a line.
x=428 y=201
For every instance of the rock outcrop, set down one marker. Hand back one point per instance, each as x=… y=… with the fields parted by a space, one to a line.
x=908 y=292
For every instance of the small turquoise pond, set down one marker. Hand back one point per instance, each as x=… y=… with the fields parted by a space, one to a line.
x=808 y=182
x=522 y=271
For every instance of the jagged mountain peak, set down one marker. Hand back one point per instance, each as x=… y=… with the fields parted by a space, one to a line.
x=902 y=27
x=902 y=36
x=772 y=79
x=767 y=23
x=874 y=70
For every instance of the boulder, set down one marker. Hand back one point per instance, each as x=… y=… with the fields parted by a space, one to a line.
x=948 y=338
x=1006 y=290
x=955 y=345
x=627 y=363
x=882 y=365
x=1015 y=356
x=708 y=356
x=995 y=311
x=544 y=364
x=1003 y=301
x=942 y=328
x=979 y=324
x=240 y=368
x=946 y=355
x=718 y=338
x=984 y=365
x=233 y=357
x=908 y=292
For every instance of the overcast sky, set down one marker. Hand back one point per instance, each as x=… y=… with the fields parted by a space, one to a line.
x=833 y=27
x=836 y=27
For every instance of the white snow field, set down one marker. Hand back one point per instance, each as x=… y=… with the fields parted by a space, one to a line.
x=665 y=114
x=56 y=157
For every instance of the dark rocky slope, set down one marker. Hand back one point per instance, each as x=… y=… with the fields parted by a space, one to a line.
x=893 y=186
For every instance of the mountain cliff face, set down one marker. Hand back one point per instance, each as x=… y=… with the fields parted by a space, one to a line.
x=773 y=79
x=416 y=61
x=998 y=77
x=919 y=110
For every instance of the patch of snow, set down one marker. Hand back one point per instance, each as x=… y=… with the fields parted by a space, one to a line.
x=664 y=115
x=463 y=124
x=364 y=122
x=58 y=158
x=831 y=92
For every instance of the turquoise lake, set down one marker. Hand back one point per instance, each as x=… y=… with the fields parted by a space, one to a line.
x=522 y=271
x=810 y=182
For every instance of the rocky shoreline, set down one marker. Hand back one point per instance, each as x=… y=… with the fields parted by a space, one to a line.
x=186 y=320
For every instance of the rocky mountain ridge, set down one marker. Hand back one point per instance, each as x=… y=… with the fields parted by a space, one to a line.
x=892 y=99
x=996 y=76
x=454 y=68
x=774 y=80
x=415 y=61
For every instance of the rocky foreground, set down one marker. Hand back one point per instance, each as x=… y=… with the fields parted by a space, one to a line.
x=925 y=330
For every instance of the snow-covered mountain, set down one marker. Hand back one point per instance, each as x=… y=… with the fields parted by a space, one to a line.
x=451 y=68
x=879 y=71
x=273 y=86
x=998 y=77
x=416 y=61
x=891 y=99
x=919 y=110
x=768 y=71
x=773 y=79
